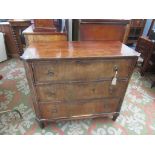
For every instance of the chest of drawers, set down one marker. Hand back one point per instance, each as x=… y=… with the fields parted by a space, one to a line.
x=72 y=80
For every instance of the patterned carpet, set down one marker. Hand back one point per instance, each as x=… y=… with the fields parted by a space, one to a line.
x=137 y=113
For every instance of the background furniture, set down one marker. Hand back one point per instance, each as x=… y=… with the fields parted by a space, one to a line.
x=44 y=25
x=12 y=30
x=10 y=40
x=17 y=27
x=146 y=47
x=72 y=80
x=99 y=29
x=32 y=37
x=44 y=30
x=134 y=30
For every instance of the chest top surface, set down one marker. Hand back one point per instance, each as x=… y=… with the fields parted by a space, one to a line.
x=77 y=49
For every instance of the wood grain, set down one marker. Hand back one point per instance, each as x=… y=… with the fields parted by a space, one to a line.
x=83 y=49
x=73 y=80
x=75 y=109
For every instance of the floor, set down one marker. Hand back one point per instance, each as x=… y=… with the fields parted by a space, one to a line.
x=137 y=113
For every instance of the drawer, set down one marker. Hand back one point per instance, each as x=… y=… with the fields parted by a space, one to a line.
x=94 y=107
x=81 y=69
x=66 y=110
x=83 y=90
x=54 y=110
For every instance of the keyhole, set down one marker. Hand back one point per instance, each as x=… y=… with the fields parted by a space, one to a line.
x=93 y=90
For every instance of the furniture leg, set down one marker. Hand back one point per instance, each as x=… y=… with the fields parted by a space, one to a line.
x=153 y=84
x=115 y=116
x=41 y=124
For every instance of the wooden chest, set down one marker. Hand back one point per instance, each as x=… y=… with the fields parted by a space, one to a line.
x=72 y=80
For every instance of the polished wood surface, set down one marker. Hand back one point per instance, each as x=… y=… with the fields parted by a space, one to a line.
x=47 y=36
x=74 y=80
x=75 y=49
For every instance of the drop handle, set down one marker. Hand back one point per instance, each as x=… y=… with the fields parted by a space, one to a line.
x=114 y=79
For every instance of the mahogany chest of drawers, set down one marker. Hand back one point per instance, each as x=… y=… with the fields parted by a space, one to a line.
x=72 y=80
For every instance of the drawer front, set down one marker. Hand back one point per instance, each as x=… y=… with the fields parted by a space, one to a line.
x=94 y=107
x=81 y=69
x=66 y=110
x=54 y=110
x=76 y=91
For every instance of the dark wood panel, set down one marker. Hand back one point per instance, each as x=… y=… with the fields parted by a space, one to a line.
x=101 y=32
x=99 y=29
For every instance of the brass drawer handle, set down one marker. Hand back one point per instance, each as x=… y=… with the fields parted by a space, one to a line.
x=50 y=73
x=114 y=79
